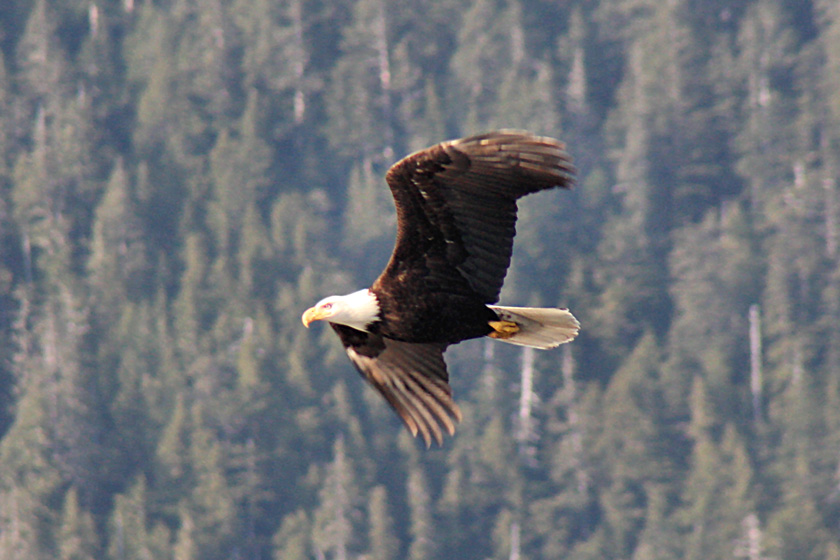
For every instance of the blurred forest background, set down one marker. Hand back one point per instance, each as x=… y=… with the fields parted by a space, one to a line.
x=180 y=179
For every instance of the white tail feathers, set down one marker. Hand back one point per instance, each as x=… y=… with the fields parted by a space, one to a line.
x=539 y=327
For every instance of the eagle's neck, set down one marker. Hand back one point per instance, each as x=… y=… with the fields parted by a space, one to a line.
x=359 y=310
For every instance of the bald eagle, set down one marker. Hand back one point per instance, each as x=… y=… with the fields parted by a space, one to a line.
x=456 y=216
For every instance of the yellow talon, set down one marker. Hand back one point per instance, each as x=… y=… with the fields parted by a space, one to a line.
x=503 y=329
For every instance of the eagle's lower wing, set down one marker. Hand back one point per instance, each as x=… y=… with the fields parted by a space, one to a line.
x=411 y=377
x=456 y=207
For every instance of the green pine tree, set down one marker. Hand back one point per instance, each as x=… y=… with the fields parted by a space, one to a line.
x=77 y=538
x=292 y=540
x=383 y=543
x=131 y=535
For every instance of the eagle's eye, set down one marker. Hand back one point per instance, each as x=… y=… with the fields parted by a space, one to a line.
x=326 y=306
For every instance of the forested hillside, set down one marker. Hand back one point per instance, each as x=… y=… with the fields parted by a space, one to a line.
x=180 y=179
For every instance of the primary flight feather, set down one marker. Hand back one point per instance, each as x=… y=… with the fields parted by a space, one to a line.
x=456 y=218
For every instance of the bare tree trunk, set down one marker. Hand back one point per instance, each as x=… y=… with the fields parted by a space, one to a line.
x=515 y=536
x=526 y=433
x=299 y=61
x=573 y=419
x=489 y=371
x=384 y=64
x=830 y=185
x=756 y=375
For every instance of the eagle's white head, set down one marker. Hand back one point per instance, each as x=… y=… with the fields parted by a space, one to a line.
x=357 y=310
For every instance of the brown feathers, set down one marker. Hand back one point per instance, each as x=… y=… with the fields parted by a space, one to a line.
x=456 y=218
x=458 y=199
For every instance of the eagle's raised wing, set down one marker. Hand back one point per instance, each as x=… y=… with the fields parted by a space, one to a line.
x=456 y=208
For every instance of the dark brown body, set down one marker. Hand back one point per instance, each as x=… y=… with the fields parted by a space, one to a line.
x=436 y=316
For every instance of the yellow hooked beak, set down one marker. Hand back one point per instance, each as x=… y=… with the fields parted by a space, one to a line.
x=312 y=314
